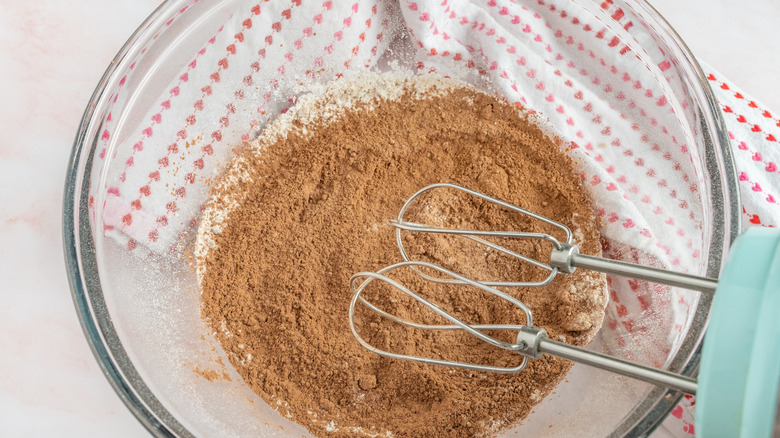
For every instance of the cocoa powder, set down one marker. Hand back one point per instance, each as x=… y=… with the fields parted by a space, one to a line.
x=311 y=208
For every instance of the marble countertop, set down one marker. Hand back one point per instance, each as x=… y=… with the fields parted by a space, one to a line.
x=51 y=57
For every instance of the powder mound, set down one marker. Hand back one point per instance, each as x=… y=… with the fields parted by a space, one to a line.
x=307 y=205
x=318 y=105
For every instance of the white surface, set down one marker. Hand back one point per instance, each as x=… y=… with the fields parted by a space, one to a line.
x=51 y=57
x=52 y=53
x=740 y=39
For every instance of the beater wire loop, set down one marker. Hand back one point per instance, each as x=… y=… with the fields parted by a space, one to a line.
x=401 y=224
x=477 y=330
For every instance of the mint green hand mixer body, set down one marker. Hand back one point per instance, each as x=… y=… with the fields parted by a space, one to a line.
x=737 y=383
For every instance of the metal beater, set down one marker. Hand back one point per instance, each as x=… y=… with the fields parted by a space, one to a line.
x=739 y=374
x=531 y=341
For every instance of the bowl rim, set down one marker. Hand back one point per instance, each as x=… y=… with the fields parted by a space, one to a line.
x=79 y=247
x=720 y=161
x=81 y=262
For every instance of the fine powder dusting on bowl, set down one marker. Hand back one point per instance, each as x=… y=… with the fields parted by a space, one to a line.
x=307 y=205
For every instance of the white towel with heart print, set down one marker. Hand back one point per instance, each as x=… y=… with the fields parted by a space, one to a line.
x=550 y=56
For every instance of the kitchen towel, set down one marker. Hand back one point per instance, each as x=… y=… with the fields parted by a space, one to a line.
x=553 y=57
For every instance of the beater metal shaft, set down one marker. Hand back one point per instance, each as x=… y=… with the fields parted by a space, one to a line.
x=540 y=344
x=568 y=258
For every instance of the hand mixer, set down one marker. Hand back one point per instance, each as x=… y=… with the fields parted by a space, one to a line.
x=740 y=365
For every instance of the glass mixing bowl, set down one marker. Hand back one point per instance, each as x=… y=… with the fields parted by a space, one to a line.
x=611 y=77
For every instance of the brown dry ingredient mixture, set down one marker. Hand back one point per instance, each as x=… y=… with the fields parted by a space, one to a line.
x=315 y=210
